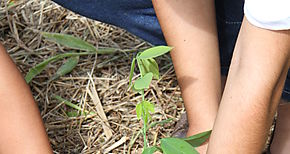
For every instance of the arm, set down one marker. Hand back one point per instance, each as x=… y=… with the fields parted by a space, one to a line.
x=189 y=26
x=257 y=74
x=21 y=129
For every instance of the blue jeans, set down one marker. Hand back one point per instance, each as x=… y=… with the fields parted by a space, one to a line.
x=139 y=18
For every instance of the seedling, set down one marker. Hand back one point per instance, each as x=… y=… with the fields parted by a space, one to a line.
x=69 y=42
x=149 y=70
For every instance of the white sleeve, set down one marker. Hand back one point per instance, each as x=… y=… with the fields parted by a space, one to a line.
x=268 y=14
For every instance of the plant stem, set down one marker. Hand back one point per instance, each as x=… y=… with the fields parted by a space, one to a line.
x=143 y=96
x=144 y=134
x=144 y=121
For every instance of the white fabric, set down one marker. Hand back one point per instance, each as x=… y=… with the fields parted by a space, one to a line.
x=268 y=14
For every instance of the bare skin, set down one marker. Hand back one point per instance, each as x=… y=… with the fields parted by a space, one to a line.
x=21 y=129
x=281 y=134
x=281 y=140
x=258 y=71
x=253 y=90
x=257 y=74
x=189 y=26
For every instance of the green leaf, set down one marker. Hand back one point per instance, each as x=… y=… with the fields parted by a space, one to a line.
x=69 y=41
x=104 y=51
x=72 y=114
x=41 y=66
x=132 y=71
x=148 y=106
x=143 y=82
x=154 y=52
x=139 y=110
x=198 y=139
x=70 y=104
x=150 y=150
x=142 y=110
x=150 y=65
x=153 y=124
x=146 y=117
x=141 y=67
x=67 y=67
x=137 y=90
x=176 y=146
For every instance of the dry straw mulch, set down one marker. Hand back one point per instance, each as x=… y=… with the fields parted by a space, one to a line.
x=99 y=83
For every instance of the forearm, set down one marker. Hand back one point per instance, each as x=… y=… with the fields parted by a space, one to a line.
x=189 y=26
x=253 y=89
x=21 y=129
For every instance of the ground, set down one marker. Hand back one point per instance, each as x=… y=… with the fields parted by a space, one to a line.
x=20 y=27
x=104 y=76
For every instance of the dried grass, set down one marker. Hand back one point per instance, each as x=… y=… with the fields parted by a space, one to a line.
x=99 y=83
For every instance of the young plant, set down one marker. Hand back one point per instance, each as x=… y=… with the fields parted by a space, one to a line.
x=73 y=57
x=149 y=70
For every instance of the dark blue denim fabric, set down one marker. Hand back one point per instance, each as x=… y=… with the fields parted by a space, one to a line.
x=138 y=17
